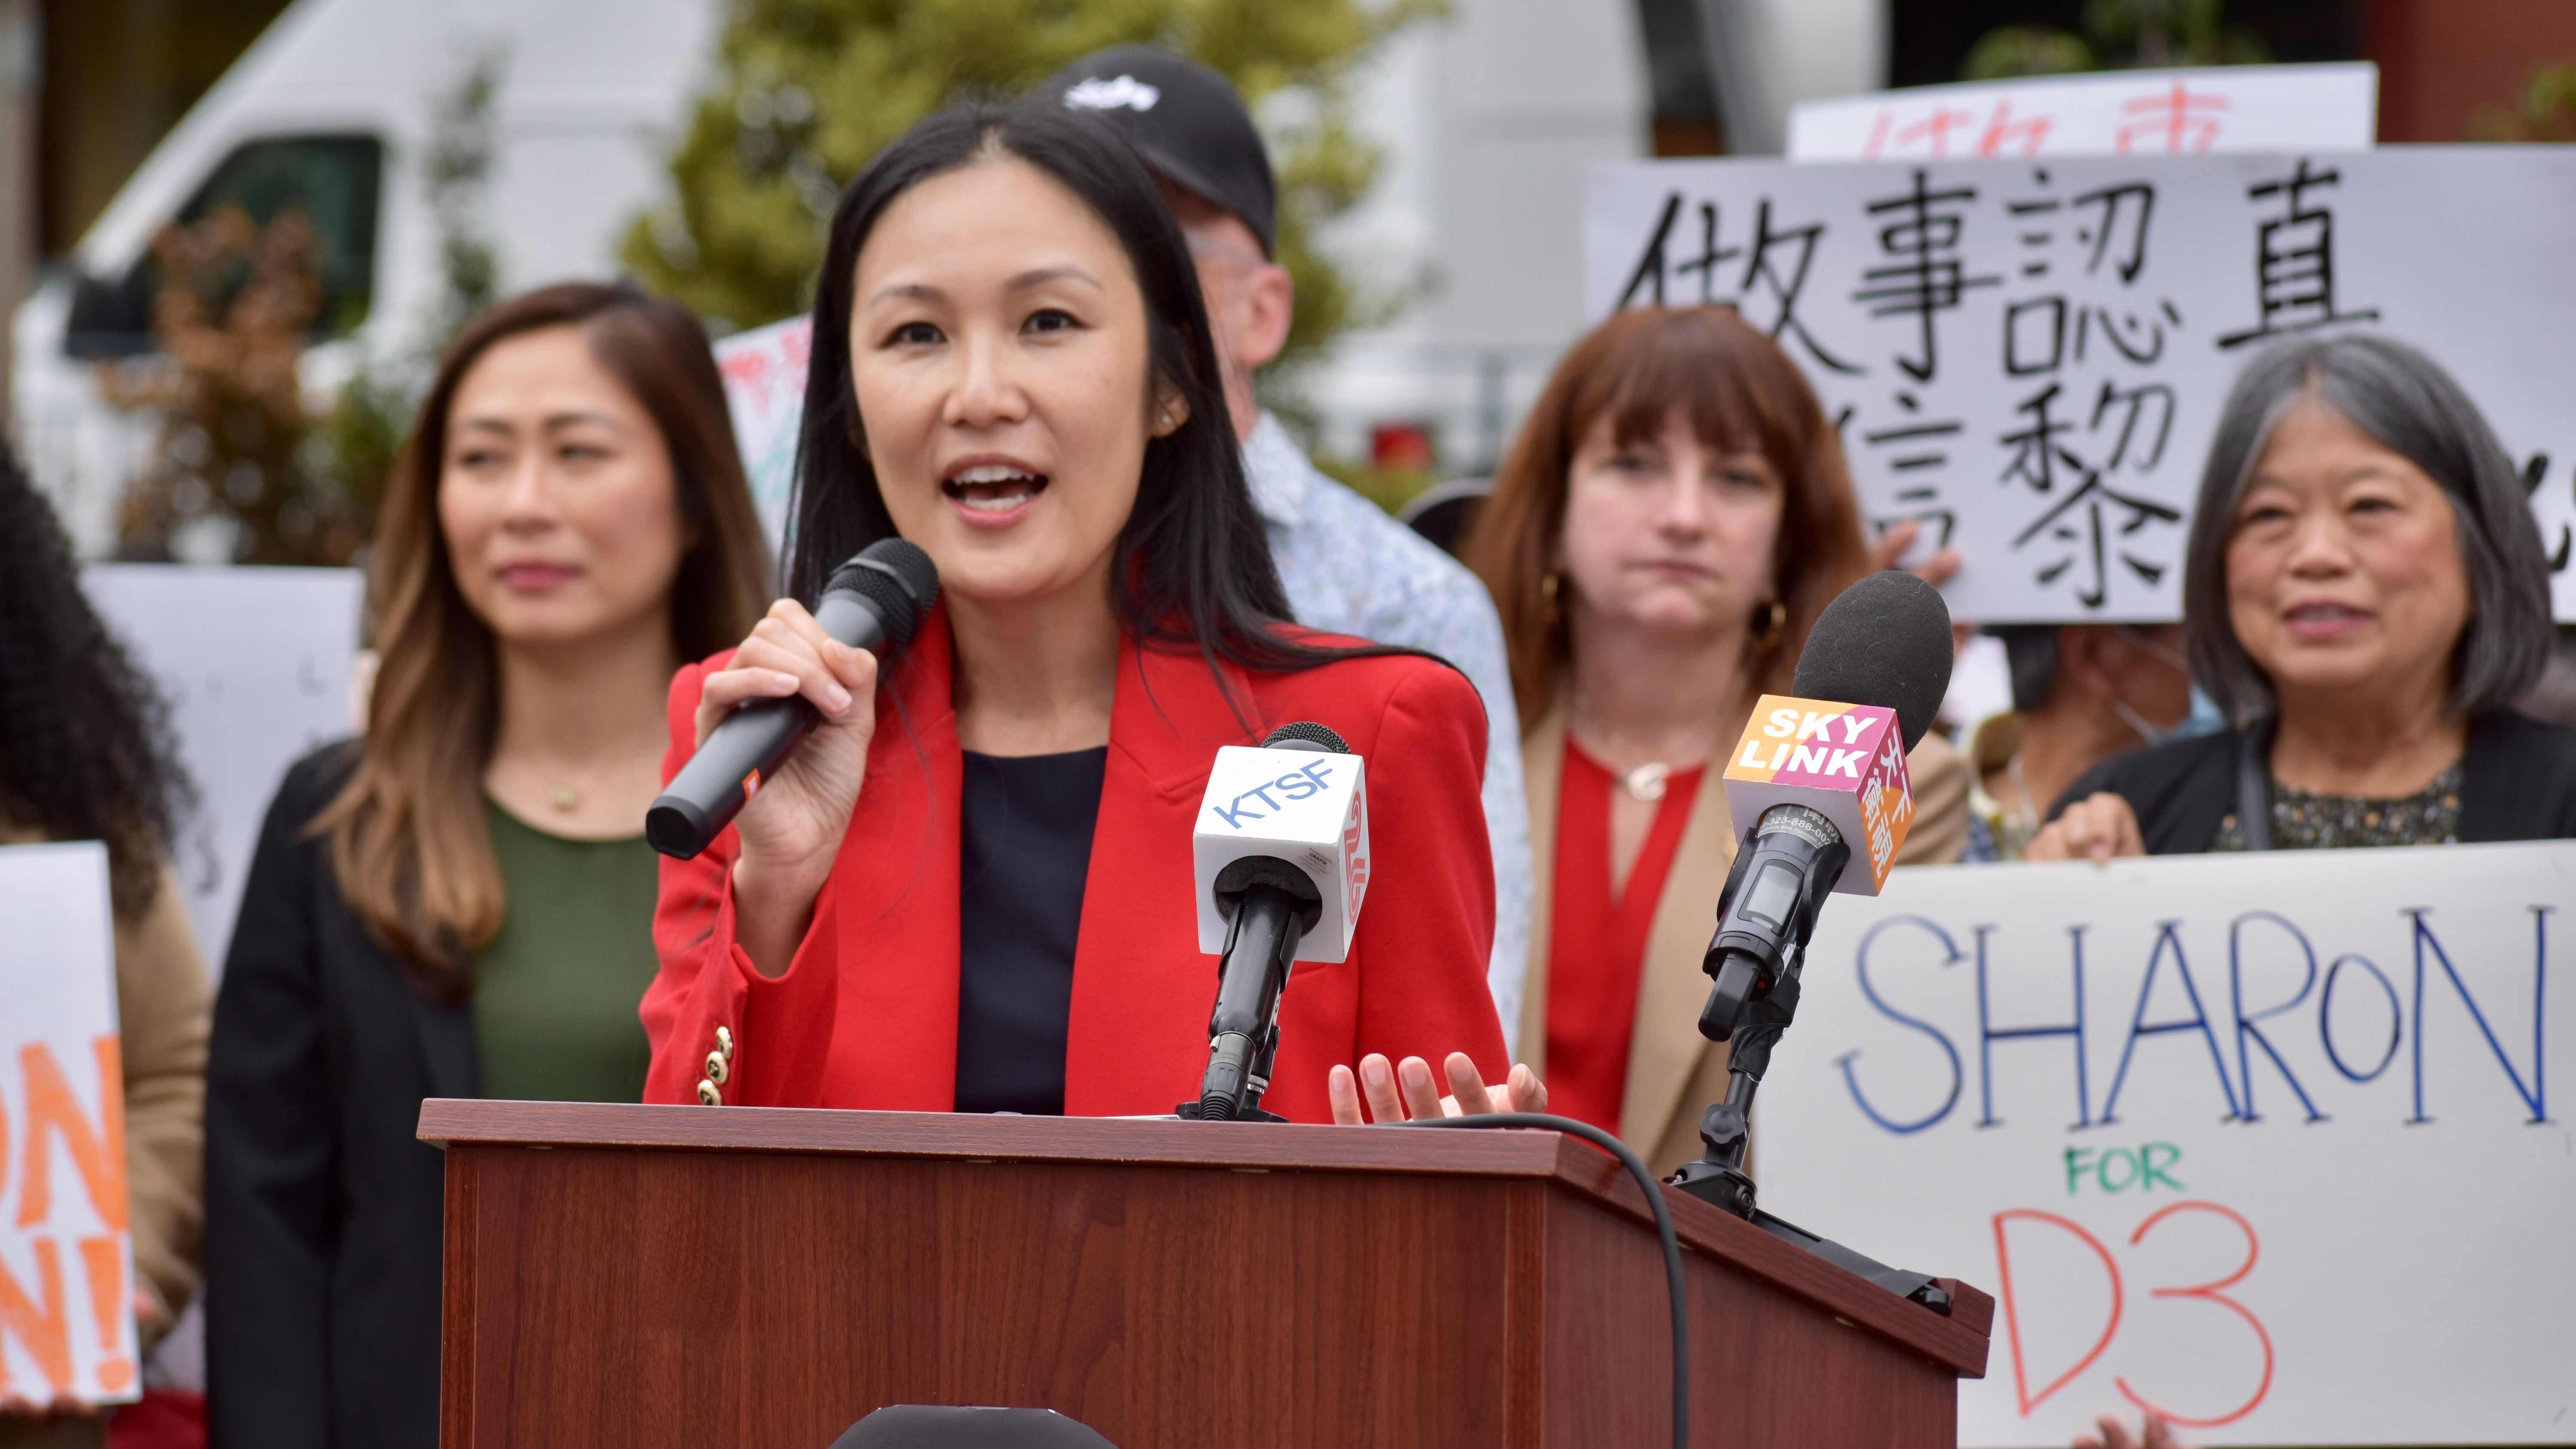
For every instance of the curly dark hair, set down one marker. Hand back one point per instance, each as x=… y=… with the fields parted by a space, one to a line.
x=86 y=751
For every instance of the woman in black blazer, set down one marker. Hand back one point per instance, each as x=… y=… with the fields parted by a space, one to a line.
x=2365 y=592
x=568 y=521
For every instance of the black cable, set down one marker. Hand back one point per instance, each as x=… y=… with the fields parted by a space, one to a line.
x=1663 y=1230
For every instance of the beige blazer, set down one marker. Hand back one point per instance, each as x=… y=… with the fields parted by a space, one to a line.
x=1673 y=1071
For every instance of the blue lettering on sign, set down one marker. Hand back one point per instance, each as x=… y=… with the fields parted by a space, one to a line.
x=1988 y=1034
x=1951 y=957
x=2198 y=1021
x=1295 y=785
x=2259 y=1020
x=2534 y=1096
x=2325 y=1017
x=2245 y=1026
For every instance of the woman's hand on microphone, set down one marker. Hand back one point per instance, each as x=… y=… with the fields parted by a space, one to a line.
x=1404 y=1091
x=792 y=826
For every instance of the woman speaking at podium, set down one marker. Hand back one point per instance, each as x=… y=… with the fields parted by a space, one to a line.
x=970 y=888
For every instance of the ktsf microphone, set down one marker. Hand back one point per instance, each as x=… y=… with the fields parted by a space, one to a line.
x=875 y=602
x=1281 y=855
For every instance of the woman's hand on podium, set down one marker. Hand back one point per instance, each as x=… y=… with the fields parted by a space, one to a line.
x=1405 y=1091
x=793 y=823
x=2155 y=1433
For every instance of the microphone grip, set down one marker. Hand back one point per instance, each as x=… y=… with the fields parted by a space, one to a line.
x=1255 y=971
x=747 y=746
x=711 y=789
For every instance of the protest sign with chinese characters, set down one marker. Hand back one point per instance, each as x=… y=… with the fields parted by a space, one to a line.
x=2265 y=1143
x=2115 y=113
x=2030 y=356
x=66 y=1253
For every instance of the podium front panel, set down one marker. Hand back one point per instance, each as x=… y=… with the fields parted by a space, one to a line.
x=691 y=1277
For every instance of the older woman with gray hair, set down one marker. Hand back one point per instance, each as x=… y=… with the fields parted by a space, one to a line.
x=2365 y=595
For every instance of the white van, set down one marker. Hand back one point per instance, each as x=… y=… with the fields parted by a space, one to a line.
x=330 y=110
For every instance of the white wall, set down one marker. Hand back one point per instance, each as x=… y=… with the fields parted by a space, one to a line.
x=1488 y=118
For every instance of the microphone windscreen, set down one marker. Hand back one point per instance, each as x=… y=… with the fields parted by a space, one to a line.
x=1883 y=641
x=1305 y=734
x=897 y=577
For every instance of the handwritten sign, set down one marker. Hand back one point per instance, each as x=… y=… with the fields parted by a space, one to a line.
x=2266 y=1143
x=2030 y=356
x=255 y=664
x=2117 y=113
x=66 y=1252
x=764 y=379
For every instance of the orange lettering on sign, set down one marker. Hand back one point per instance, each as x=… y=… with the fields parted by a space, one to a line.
x=46 y=1331
x=105 y=1260
x=99 y=1154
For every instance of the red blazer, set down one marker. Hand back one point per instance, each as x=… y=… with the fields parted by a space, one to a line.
x=866 y=1013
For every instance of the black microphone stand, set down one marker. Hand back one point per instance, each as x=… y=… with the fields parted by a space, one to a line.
x=1757 y=956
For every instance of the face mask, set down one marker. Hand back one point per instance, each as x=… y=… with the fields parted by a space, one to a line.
x=2204 y=718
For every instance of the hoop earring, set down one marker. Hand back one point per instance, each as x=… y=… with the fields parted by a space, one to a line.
x=1775 y=618
x=1547 y=592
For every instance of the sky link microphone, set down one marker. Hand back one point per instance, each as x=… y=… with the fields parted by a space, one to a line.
x=875 y=602
x=1820 y=776
x=1281 y=857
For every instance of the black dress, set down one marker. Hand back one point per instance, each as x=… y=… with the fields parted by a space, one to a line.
x=2517 y=782
x=1024 y=854
x=323 y=1207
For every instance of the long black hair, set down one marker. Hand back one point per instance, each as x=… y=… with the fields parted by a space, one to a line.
x=1192 y=565
x=86 y=751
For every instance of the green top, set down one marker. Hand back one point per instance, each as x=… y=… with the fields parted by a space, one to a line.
x=555 y=993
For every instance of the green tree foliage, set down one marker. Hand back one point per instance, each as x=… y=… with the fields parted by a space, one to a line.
x=2545 y=112
x=810 y=90
x=2118 y=35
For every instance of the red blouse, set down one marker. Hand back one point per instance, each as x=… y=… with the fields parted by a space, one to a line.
x=1597 y=941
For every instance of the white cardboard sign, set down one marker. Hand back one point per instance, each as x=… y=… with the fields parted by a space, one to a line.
x=255 y=665
x=2030 y=356
x=2265 y=1142
x=2115 y=113
x=66 y=1247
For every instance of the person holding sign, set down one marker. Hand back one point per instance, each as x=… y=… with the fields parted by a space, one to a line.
x=2365 y=595
x=459 y=903
x=1670 y=522
x=86 y=754
x=1012 y=369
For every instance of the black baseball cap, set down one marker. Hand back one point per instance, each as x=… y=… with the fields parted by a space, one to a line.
x=1186 y=121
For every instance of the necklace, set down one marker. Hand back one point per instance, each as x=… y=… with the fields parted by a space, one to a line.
x=1646 y=782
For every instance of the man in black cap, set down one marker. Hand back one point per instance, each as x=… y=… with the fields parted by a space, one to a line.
x=1348 y=567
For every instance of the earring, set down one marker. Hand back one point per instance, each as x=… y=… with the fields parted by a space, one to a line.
x=1775 y=617
x=1547 y=592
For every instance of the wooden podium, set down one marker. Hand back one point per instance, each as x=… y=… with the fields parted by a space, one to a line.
x=699 y=1277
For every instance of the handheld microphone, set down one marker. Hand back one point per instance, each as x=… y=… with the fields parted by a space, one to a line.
x=1821 y=776
x=1281 y=856
x=875 y=602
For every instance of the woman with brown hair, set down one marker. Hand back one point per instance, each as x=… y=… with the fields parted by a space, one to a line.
x=567 y=523
x=1672 y=518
